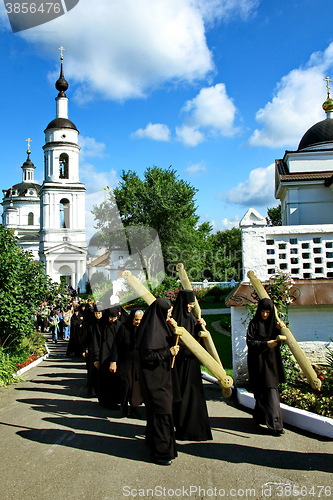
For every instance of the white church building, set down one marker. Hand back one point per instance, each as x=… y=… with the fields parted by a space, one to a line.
x=302 y=246
x=49 y=219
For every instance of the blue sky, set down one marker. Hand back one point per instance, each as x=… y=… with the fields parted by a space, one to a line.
x=218 y=89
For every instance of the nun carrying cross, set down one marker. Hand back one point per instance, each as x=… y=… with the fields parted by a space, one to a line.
x=155 y=345
x=265 y=366
x=190 y=414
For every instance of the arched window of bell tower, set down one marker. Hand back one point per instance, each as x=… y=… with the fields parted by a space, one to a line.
x=64 y=213
x=30 y=219
x=63 y=166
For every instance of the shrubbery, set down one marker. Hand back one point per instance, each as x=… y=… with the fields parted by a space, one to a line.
x=24 y=285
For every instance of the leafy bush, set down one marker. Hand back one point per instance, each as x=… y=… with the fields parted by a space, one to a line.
x=24 y=285
x=307 y=399
x=7 y=369
x=168 y=289
x=298 y=393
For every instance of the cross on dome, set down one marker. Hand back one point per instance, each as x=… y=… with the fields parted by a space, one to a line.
x=327 y=79
x=61 y=52
x=28 y=141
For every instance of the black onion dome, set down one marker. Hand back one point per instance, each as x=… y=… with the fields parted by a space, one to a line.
x=60 y=123
x=23 y=187
x=28 y=163
x=319 y=133
x=61 y=84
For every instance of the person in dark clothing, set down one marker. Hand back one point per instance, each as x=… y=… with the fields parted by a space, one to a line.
x=190 y=414
x=128 y=365
x=122 y=313
x=108 y=383
x=93 y=327
x=155 y=344
x=265 y=366
x=74 y=344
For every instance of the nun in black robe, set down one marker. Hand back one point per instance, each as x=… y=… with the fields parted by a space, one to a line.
x=154 y=342
x=127 y=357
x=108 y=382
x=190 y=414
x=265 y=366
x=74 y=346
x=123 y=314
x=93 y=327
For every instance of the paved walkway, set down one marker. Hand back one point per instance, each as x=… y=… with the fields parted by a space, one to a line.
x=56 y=444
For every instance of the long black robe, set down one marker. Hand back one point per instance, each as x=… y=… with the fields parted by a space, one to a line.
x=75 y=346
x=108 y=383
x=265 y=367
x=93 y=339
x=154 y=341
x=127 y=357
x=190 y=414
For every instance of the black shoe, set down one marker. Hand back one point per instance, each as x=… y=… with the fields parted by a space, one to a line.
x=134 y=413
x=124 y=411
x=162 y=462
x=278 y=433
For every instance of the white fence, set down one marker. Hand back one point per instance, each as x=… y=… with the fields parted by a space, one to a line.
x=198 y=285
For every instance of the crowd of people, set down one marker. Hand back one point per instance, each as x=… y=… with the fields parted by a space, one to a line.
x=132 y=359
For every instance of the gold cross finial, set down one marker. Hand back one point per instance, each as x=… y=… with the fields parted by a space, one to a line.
x=28 y=141
x=61 y=52
x=327 y=79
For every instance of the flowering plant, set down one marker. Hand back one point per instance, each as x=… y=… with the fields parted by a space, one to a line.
x=27 y=361
x=281 y=289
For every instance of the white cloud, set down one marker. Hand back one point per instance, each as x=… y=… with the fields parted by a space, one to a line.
x=97 y=181
x=229 y=223
x=91 y=147
x=154 y=131
x=221 y=225
x=211 y=112
x=226 y=9
x=195 y=169
x=190 y=136
x=296 y=105
x=124 y=49
x=257 y=190
x=120 y=50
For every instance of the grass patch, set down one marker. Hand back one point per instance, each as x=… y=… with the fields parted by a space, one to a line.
x=212 y=305
x=222 y=342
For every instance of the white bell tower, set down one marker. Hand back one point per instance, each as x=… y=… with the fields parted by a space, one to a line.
x=63 y=234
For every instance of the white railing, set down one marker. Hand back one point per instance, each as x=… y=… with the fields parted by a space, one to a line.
x=209 y=284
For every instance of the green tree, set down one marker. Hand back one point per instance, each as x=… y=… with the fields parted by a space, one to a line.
x=274 y=217
x=23 y=285
x=160 y=201
x=225 y=258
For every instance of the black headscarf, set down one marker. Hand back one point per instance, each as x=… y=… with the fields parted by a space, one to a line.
x=111 y=311
x=180 y=311
x=266 y=328
x=154 y=332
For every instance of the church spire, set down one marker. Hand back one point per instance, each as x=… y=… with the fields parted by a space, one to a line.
x=28 y=167
x=61 y=84
x=328 y=104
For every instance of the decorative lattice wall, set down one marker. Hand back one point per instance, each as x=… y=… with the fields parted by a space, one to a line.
x=301 y=255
